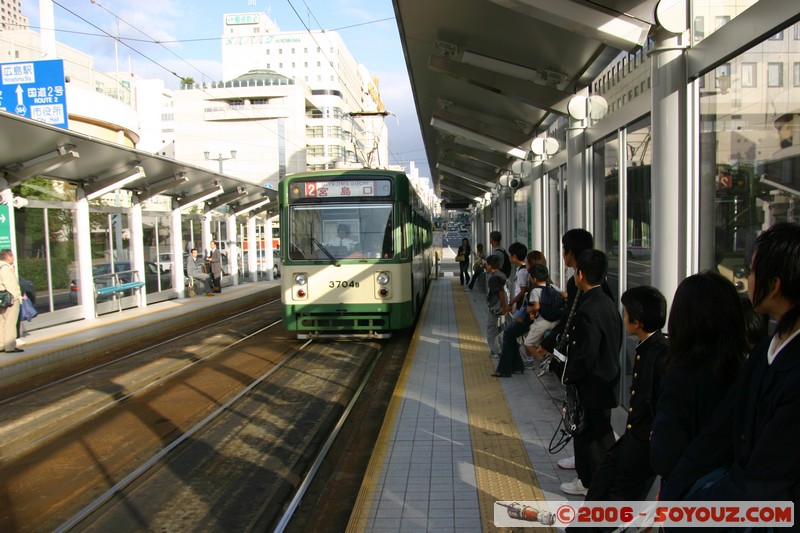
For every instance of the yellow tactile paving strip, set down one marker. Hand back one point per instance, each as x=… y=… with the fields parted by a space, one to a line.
x=502 y=467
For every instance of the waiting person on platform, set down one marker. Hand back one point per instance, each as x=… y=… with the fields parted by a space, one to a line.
x=9 y=281
x=707 y=347
x=478 y=267
x=744 y=452
x=573 y=242
x=592 y=365
x=495 y=301
x=540 y=325
x=195 y=271
x=464 y=265
x=625 y=473
x=215 y=260
x=519 y=290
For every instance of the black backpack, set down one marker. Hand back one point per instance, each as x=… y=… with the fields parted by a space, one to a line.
x=552 y=306
x=505 y=268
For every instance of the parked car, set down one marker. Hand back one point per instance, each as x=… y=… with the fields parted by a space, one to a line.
x=152 y=274
x=636 y=249
x=261 y=263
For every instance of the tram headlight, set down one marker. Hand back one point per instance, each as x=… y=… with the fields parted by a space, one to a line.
x=383 y=278
x=300 y=278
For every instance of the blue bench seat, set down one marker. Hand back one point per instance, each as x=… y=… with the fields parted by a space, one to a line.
x=111 y=289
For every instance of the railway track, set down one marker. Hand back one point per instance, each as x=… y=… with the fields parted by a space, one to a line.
x=215 y=433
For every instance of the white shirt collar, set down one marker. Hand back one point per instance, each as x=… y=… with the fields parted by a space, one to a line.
x=775 y=346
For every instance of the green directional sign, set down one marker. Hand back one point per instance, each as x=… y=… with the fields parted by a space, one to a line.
x=5 y=228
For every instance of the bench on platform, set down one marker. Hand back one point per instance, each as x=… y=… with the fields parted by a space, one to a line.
x=116 y=284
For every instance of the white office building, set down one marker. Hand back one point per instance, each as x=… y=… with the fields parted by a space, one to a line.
x=288 y=102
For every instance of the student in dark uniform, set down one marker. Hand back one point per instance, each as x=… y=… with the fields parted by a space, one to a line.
x=748 y=450
x=626 y=474
x=707 y=346
x=595 y=338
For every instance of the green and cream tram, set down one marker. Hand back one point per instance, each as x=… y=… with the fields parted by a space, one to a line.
x=356 y=252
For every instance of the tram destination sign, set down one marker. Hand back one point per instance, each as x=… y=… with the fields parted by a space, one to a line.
x=36 y=90
x=347 y=188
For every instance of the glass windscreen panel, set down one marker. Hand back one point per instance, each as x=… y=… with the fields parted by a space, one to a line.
x=749 y=151
x=710 y=15
x=341 y=232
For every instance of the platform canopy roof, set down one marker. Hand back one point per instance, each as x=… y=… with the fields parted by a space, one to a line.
x=489 y=75
x=30 y=149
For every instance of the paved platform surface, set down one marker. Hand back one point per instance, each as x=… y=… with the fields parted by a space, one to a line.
x=455 y=439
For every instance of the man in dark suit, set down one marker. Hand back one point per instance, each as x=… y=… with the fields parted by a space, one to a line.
x=215 y=260
x=595 y=339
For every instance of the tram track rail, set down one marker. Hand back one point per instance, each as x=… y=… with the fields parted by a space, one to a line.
x=268 y=440
x=245 y=466
x=18 y=436
x=162 y=454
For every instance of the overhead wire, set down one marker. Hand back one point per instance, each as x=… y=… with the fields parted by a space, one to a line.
x=152 y=40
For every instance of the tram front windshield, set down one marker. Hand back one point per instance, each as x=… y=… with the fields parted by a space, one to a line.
x=341 y=232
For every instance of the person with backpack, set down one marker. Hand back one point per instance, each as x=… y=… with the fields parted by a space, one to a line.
x=546 y=305
x=516 y=325
x=504 y=265
x=495 y=300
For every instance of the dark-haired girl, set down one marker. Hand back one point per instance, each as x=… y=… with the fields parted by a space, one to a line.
x=707 y=347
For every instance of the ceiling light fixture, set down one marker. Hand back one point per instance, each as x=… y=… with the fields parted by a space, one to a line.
x=162 y=186
x=112 y=183
x=489 y=142
x=186 y=202
x=245 y=208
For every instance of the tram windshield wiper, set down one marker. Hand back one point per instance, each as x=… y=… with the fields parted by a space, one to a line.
x=334 y=262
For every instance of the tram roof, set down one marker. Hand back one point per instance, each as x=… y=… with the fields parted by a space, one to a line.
x=490 y=75
x=29 y=149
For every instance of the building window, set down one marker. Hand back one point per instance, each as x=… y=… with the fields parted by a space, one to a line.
x=280 y=51
x=774 y=74
x=268 y=51
x=777 y=37
x=305 y=64
x=699 y=28
x=720 y=21
x=749 y=75
x=319 y=64
x=796 y=74
x=796 y=31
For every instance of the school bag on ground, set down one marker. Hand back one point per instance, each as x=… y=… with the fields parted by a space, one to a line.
x=552 y=306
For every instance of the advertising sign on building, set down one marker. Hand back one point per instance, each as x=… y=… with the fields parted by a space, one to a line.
x=35 y=89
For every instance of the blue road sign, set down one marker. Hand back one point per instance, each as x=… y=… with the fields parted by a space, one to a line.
x=35 y=89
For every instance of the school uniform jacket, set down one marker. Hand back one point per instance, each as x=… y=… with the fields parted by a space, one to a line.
x=754 y=433
x=648 y=367
x=595 y=338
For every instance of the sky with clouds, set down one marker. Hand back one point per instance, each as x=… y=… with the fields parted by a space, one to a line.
x=171 y=39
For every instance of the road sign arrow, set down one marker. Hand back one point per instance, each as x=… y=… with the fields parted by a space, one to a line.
x=19 y=92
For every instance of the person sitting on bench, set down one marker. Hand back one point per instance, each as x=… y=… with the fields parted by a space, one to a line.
x=195 y=271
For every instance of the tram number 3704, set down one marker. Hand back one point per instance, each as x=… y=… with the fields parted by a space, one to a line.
x=343 y=284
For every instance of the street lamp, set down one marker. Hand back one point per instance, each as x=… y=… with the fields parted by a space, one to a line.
x=219 y=158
